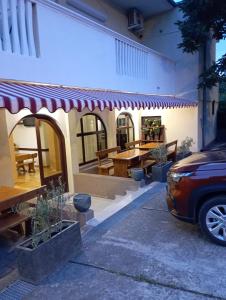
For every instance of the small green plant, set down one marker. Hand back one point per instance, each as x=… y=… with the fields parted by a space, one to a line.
x=185 y=146
x=160 y=154
x=47 y=215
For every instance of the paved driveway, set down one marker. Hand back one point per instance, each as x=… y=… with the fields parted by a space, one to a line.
x=142 y=253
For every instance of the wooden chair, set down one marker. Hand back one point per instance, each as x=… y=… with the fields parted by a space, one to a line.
x=105 y=164
x=146 y=162
x=171 y=150
x=132 y=145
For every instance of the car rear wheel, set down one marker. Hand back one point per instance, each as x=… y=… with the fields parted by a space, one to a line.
x=212 y=219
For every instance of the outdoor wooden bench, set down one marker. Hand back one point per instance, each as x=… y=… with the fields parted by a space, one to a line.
x=146 y=162
x=14 y=222
x=171 y=150
x=105 y=164
x=132 y=145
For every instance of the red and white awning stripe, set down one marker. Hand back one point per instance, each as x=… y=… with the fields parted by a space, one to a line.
x=15 y=96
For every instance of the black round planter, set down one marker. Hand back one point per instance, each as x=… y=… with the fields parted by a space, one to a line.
x=82 y=202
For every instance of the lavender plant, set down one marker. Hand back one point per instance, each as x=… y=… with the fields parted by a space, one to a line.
x=159 y=154
x=185 y=146
x=47 y=216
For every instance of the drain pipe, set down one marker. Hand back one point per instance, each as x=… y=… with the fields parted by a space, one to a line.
x=204 y=100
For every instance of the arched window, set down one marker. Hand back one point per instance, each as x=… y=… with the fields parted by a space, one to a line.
x=125 y=129
x=93 y=137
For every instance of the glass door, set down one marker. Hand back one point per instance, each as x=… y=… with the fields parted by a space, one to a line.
x=51 y=152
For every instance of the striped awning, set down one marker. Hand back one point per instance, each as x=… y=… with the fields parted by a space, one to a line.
x=15 y=96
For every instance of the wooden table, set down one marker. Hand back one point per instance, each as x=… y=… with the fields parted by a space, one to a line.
x=125 y=159
x=21 y=157
x=150 y=146
x=10 y=196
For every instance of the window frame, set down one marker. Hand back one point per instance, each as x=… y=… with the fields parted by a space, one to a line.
x=127 y=127
x=96 y=132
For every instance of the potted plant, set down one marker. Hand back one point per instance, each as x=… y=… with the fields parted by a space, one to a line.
x=184 y=148
x=159 y=171
x=156 y=131
x=53 y=240
x=146 y=132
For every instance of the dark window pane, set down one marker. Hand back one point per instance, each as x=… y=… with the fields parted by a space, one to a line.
x=125 y=130
x=102 y=141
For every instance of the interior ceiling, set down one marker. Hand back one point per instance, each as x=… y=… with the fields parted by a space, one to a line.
x=147 y=7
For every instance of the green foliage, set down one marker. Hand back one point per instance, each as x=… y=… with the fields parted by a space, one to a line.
x=222 y=91
x=159 y=154
x=204 y=20
x=47 y=215
x=186 y=145
x=214 y=74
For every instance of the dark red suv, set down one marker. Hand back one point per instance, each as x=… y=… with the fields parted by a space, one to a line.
x=196 y=192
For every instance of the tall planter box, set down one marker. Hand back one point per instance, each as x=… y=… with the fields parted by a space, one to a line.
x=159 y=171
x=35 y=264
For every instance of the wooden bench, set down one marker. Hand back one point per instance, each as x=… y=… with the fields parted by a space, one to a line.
x=132 y=145
x=14 y=222
x=25 y=159
x=171 y=150
x=105 y=164
x=22 y=165
x=146 y=162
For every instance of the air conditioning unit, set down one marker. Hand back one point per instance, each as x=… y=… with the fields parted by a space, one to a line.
x=135 y=20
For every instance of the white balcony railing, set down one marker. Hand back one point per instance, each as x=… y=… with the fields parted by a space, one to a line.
x=75 y=50
x=18 y=27
x=131 y=60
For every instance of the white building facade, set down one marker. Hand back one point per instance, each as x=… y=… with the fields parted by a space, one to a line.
x=87 y=44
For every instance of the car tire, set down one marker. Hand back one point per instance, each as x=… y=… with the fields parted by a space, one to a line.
x=212 y=219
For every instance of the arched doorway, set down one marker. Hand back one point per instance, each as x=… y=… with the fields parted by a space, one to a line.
x=92 y=137
x=125 y=130
x=39 y=152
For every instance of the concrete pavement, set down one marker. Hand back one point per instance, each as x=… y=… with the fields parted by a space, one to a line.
x=142 y=252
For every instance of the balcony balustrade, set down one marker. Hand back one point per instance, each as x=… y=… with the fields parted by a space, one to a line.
x=17 y=22
x=62 y=46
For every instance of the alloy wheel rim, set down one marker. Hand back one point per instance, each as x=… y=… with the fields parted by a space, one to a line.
x=216 y=222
